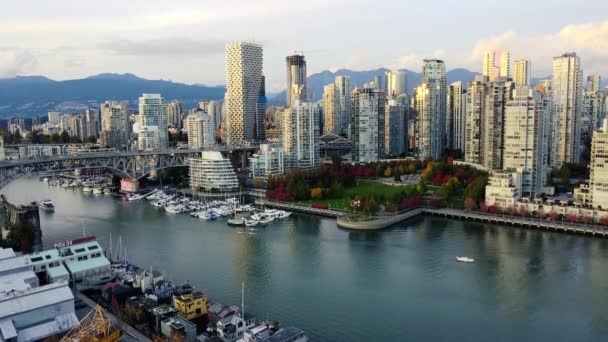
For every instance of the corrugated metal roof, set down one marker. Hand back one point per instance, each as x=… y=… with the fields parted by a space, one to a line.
x=57 y=271
x=34 y=298
x=7 y=328
x=20 y=262
x=8 y=280
x=60 y=324
x=7 y=253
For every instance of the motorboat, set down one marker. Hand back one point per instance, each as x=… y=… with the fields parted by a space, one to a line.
x=97 y=191
x=46 y=205
x=251 y=223
x=174 y=209
x=465 y=259
x=237 y=221
x=87 y=189
x=281 y=214
x=107 y=191
x=134 y=197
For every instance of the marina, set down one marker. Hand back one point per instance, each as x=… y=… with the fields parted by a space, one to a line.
x=306 y=272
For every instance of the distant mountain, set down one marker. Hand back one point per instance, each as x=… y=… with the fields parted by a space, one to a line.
x=36 y=95
x=317 y=81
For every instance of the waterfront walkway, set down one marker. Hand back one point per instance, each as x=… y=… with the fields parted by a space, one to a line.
x=299 y=208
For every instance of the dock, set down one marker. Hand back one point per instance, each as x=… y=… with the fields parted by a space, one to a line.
x=306 y=209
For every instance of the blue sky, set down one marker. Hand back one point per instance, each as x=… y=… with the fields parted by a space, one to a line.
x=183 y=40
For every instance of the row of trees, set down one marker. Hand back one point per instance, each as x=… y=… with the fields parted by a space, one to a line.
x=20 y=237
x=38 y=137
x=523 y=212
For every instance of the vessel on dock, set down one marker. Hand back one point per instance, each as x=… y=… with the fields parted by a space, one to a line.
x=46 y=205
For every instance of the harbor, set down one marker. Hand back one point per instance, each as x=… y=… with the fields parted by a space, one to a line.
x=306 y=272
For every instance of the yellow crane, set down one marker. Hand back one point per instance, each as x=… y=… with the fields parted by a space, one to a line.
x=94 y=327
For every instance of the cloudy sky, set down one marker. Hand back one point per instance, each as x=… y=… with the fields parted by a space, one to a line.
x=183 y=40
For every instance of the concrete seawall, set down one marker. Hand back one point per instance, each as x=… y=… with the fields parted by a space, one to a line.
x=377 y=222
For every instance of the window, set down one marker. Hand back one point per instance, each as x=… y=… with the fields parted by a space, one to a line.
x=79 y=250
x=36 y=259
x=93 y=247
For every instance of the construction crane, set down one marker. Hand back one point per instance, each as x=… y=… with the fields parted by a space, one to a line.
x=94 y=327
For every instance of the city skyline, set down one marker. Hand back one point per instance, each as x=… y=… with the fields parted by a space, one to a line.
x=158 y=42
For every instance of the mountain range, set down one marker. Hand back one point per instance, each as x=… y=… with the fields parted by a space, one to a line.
x=26 y=96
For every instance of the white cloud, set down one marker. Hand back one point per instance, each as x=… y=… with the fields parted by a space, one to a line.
x=15 y=61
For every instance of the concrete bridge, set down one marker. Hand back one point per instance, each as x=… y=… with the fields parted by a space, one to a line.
x=129 y=165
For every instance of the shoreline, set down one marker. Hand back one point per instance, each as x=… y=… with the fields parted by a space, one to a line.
x=387 y=221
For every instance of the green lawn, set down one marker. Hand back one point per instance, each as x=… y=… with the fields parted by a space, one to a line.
x=362 y=189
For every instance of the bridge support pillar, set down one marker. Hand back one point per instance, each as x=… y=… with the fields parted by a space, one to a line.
x=129 y=185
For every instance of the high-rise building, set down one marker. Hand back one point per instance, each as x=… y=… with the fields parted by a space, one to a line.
x=567 y=107
x=243 y=87
x=395 y=127
x=93 y=122
x=475 y=110
x=330 y=109
x=593 y=82
x=396 y=83
x=54 y=118
x=296 y=78
x=594 y=107
x=434 y=70
x=492 y=140
x=522 y=73
x=201 y=133
x=598 y=180
x=152 y=120
x=212 y=172
x=368 y=124
x=300 y=135
x=214 y=109
x=524 y=125
x=344 y=107
x=496 y=64
x=115 y=128
x=259 y=131
x=456 y=117
x=175 y=114
x=268 y=161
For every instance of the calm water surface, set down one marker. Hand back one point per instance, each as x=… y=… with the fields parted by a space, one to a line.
x=395 y=285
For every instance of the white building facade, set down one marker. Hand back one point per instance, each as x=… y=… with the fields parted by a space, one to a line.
x=201 y=132
x=153 y=128
x=598 y=180
x=300 y=135
x=212 y=172
x=368 y=124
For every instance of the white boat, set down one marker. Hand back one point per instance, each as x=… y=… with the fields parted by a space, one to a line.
x=46 y=180
x=237 y=221
x=134 y=197
x=87 y=189
x=46 y=205
x=251 y=223
x=97 y=191
x=465 y=259
x=174 y=209
x=107 y=191
x=281 y=214
x=264 y=219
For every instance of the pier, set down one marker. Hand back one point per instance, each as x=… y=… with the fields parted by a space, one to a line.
x=299 y=208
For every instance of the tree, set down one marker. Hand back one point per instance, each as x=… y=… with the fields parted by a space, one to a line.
x=316 y=193
x=421 y=187
x=469 y=203
x=21 y=237
x=397 y=176
x=91 y=139
x=371 y=207
x=522 y=211
x=477 y=189
x=336 y=159
x=64 y=137
x=388 y=172
x=604 y=221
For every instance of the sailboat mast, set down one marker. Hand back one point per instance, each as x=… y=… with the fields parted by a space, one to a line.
x=243 y=299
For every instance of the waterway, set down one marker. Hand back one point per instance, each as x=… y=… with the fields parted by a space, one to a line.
x=394 y=285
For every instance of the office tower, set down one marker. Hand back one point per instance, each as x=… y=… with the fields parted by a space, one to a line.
x=496 y=64
x=524 y=145
x=344 y=105
x=378 y=82
x=300 y=135
x=35 y=123
x=115 y=128
x=475 y=110
x=330 y=109
x=243 y=82
x=545 y=91
x=430 y=103
x=214 y=109
x=320 y=116
x=152 y=120
x=492 y=139
x=54 y=118
x=296 y=78
x=259 y=131
x=567 y=106
x=598 y=180
x=201 y=130
x=175 y=114
x=593 y=82
x=522 y=73
x=368 y=124
x=396 y=83
x=395 y=128
x=456 y=117
x=594 y=108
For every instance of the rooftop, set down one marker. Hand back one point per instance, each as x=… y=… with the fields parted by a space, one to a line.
x=16 y=263
x=75 y=266
x=33 y=298
x=285 y=334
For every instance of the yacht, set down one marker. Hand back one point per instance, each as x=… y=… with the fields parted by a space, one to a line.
x=273 y=332
x=46 y=205
x=175 y=209
x=233 y=327
x=97 y=191
x=107 y=191
x=134 y=197
x=281 y=214
x=237 y=221
x=251 y=223
x=264 y=219
x=87 y=189
x=465 y=259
